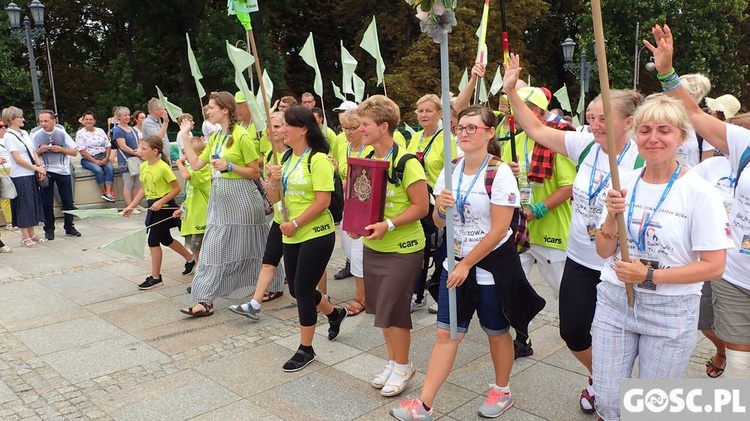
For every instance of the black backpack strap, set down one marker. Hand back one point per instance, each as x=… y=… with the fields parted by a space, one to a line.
x=286 y=156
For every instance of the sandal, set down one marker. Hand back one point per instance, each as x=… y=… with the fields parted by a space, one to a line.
x=208 y=310
x=590 y=399
x=38 y=239
x=379 y=380
x=400 y=384
x=355 y=308
x=270 y=296
x=712 y=370
x=293 y=365
x=30 y=243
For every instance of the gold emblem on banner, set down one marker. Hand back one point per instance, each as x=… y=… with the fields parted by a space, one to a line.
x=363 y=187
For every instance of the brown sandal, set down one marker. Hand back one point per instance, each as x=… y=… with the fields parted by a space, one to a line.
x=355 y=308
x=270 y=296
x=208 y=310
x=712 y=370
x=587 y=396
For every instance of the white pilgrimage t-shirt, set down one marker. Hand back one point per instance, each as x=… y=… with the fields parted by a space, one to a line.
x=690 y=220
x=688 y=153
x=719 y=173
x=477 y=217
x=738 y=257
x=581 y=247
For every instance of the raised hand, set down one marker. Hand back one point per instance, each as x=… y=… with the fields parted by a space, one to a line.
x=512 y=71
x=664 y=50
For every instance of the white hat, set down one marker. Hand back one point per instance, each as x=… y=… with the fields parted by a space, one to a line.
x=346 y=105
x=727 y=104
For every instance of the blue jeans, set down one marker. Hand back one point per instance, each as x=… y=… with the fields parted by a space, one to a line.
x=488 y=308
x=104 y=174
x=65 y=188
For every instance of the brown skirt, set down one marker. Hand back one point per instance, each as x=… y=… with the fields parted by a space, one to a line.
x=389 y=284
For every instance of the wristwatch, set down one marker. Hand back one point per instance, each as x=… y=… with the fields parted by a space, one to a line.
x=649 y=274
x=391 y=227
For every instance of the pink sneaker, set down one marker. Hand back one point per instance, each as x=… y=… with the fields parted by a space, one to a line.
x=411 y=410
x=496 y=403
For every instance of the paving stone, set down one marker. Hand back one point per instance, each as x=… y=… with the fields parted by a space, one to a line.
x=65 y=335
x=238 y=410
x=43 y=309
x=549 y=392
x=97 y=284
x=327 y=352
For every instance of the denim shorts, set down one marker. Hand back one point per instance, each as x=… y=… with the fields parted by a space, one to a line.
x=487 y=306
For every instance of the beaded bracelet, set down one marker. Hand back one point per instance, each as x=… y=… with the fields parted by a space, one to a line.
x=668 y=75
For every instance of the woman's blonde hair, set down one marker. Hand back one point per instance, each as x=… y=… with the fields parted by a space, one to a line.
x=742 y=120
x=11 y=113
x=349 y=116
x=380 y=109
x=430 y=98
x=696 y=84
x=624 y=101
x=663 y=109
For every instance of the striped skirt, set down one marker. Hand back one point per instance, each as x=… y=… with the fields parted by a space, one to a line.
x=27 y=206
x=233 y=244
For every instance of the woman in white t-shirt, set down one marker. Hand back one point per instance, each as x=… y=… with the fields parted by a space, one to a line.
x=577 y=301
x=731 y=294
x=481 y=225
x=676 y=229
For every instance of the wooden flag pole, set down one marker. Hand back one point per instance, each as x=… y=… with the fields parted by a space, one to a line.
x=601 y=58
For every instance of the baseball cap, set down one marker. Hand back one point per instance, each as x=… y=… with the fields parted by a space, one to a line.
x=535 y=96
x=547 y=93
x=727 y=104
x=346 y=105
x=239 y=97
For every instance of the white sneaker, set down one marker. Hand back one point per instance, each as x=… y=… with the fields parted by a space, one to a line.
x=433 y=309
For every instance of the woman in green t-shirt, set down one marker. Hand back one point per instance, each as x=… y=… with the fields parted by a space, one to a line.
x=236 y=230
x=393 y=253
x=305 y=179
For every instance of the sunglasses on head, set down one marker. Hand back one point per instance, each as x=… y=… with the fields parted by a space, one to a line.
x=3 y=126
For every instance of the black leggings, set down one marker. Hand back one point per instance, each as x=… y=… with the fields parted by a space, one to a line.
x=304 y=264
x=159 y=233
x=577 y=304
x=274 y=246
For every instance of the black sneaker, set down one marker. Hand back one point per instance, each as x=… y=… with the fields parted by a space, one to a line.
x=189 y=267
x=72 y=232
x=335 y=325
x=300 y=360
x=49 y=235
x=149 y=283
x=344 y=273
x=522 y=349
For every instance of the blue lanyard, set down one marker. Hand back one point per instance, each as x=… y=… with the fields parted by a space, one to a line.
x=526 y=153
x=220 y=145
x=593 y=195
x=640 y=240
x=359 y=155
x=388 y=155
x=461 y=201
x=286 y=174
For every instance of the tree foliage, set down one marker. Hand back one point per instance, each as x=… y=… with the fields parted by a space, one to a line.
x=113 y=52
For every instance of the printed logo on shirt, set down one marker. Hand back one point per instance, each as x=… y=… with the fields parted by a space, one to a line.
x=512 y=198
x=408 y=244
x=552 y=240
x=321 y=228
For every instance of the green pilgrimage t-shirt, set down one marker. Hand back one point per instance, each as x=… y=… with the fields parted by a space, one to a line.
x=433 y=156
x=552 y=230
x=407 y=238
x=242 y=152
x=276 y=209
x=300 y=193
x=156 y=179
x=197 y=190
x=346 y=152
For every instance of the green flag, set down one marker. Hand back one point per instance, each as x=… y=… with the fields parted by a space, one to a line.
x=242 y=9
x=576 y=121
x=132 y=244
x=194 y=70
x=464 y=80
x=483 y=98
x=371 y=44
x=241 y=60
x=497 y=82
x=581 y=105
x=410 y=130
x=359 y=88
x=111 y=213
x=308 y=55
x=337 y=92
x=268 y=84
x=562 y=96
x=173 y=110
x=348 y=65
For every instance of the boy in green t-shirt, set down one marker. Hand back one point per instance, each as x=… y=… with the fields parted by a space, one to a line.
x=193 y=209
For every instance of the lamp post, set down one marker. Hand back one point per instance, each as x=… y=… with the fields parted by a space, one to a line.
x=28 y=34
x=650 y=66
x=583 y=70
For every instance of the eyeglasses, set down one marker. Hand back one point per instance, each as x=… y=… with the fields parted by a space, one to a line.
x=3 y=126
x=350 y=129
x=470 y=129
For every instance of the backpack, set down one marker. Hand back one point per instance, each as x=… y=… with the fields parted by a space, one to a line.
x=518 y=221
x=639 y=161
x=337 y=195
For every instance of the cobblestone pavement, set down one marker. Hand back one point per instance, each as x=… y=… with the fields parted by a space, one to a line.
x=78 y=340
